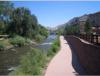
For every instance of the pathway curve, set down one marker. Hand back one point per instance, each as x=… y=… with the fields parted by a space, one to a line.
x=61 y=64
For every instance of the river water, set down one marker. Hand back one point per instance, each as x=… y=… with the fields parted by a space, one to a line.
x=9 y=59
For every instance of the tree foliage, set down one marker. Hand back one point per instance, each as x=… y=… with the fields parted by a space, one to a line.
x=22 y=22
x=87 y=27
x=19 y=21
x=60 y=31
x=71 y=29
x=6 y=8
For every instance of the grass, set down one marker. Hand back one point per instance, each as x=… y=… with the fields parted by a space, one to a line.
x=31 y=63
x=4 y=43
x=54 y=48
x=35 y=61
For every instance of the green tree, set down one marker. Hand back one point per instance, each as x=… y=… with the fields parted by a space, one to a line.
x=6 y=8
x=60 y=31
x=42 y=30
x=87 y=27
x=22 y=22
x=2 y=27
x=71 y=29
x=19 y=21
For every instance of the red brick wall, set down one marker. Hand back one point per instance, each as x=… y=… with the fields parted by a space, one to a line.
x=89 y=55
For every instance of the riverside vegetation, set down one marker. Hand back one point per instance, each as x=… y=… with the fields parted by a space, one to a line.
x=22 y=27
x=34 y=62
x=19 y=24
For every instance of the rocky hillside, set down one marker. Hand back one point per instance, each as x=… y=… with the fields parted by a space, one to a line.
x=73 y=21
x=94 y=19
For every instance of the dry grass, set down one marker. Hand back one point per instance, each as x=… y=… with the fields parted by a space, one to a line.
x=6 y=42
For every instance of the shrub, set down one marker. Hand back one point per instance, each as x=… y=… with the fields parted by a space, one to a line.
x=31 y=63
x=50 y=52
x=54 y=47
x=53 y=50
x=39 y=38
x=57 y=42
x=27 y=40
x=87 y=27
x=17 y=40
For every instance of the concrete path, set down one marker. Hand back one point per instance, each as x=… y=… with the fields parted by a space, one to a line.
x=61 y=64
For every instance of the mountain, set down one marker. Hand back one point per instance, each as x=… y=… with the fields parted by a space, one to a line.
x=73 y=21
x=94 y=19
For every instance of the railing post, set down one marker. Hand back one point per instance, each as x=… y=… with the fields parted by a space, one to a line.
x=96 y=39
x=91 y=38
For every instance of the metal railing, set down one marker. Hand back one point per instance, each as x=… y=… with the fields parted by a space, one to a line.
x=95 y=39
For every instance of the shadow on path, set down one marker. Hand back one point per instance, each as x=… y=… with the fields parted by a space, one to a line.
x=75 y=61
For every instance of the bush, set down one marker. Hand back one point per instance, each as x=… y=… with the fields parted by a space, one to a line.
x=54 y=48
x=50 y=53
x=57 y=42
x=31 y=63
x=27 y=40
x=39 y=38
x=17 y=40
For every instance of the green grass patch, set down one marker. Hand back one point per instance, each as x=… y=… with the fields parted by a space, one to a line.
x=35 y=61
x=31 y=63
x=54 y=48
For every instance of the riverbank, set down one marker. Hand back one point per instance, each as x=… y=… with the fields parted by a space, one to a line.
x=18 y=41
x=39 y=63
x=10 y=58
x=10 y=54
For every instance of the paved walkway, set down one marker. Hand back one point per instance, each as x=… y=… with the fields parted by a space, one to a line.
x=61 y=64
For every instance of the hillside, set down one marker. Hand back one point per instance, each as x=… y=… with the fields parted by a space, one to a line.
x=94 y=19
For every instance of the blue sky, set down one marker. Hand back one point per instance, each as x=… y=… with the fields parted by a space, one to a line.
x=53 y=13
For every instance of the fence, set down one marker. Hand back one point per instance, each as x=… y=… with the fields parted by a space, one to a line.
x=95 y=39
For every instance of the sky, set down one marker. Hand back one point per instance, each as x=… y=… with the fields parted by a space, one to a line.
x=53 y=13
